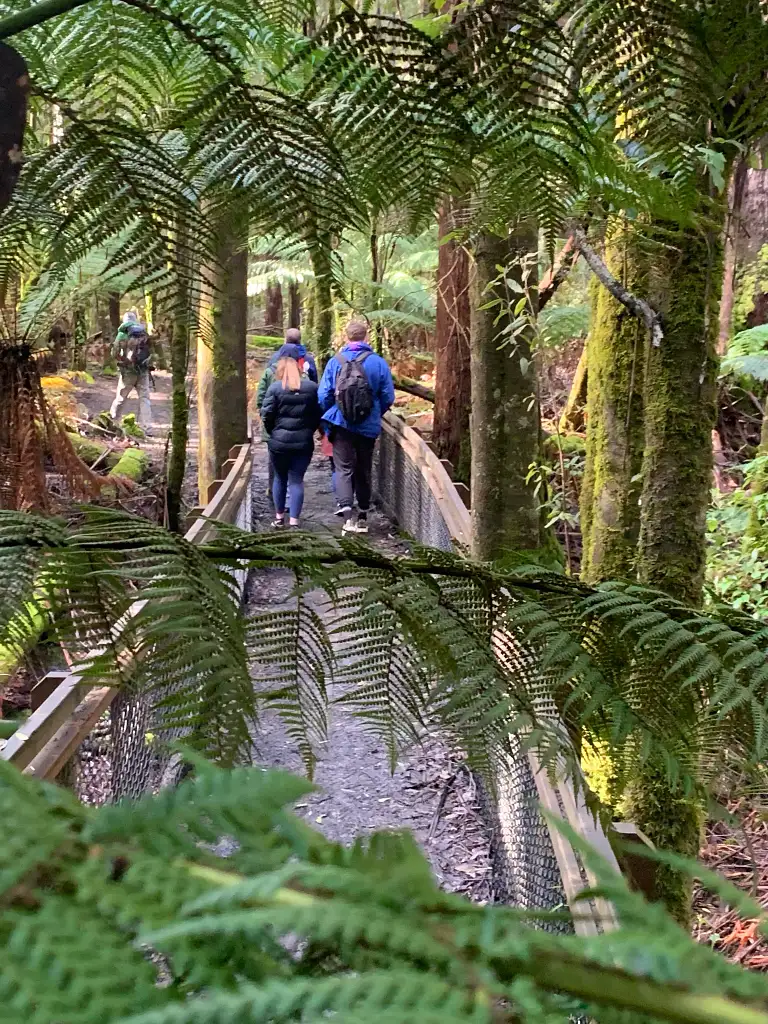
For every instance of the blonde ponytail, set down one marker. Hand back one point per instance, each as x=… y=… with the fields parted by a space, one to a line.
x=289 y=374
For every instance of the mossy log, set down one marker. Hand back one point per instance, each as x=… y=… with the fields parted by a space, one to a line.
x=90 y=451
x=133 y=464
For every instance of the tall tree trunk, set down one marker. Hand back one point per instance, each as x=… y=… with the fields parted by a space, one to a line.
x=732 y=228
x=505 y=428
x=680 y=407
x=273 y=311
x=680 y=410
x=14 y=86
x=221 y=379
x=610 y=516
x=179 y=341
x=322 y=299
x=294 y=305
x=453 y=387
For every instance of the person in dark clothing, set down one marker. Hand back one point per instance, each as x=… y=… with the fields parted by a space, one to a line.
x=291 y=415
x=293 y=348
x=353 y=442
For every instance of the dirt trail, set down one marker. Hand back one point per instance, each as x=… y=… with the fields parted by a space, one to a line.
x=97 y=398
x=431 y=792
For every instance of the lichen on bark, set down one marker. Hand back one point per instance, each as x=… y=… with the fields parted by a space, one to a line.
x=221 y=364
x=680 y=410
x=505 y=426
x=610 y=515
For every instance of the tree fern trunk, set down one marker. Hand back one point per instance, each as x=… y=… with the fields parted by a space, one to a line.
x=610 y=515
x=221 y=378
x=505 y=428
x=453 y=388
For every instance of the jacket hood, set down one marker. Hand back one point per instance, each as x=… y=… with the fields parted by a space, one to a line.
x=292 y=352
x=357 y=346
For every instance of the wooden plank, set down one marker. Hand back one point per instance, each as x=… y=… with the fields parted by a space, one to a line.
x=42 y=691
x=464 y=493
x=447 y=466
x=63 y=745
x=44 y=723
x=213 y=489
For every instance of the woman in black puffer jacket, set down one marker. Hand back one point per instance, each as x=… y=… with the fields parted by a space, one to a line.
x=291 y=415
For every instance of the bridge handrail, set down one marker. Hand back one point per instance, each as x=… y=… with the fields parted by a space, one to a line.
x=49 y=737
x=560 y=800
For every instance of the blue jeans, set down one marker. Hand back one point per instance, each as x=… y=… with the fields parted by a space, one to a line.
x=290 y=468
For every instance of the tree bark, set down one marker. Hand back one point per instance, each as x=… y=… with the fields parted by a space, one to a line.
x=221 y=377
x=505 y=428
x=453 y=388
x=179 y=339
x=273 y=310
x=610 y=516
x=14 y=85
x=294 y=305
x=732 y=228
x=322 y=299
x=680 y=412
x=572 y=417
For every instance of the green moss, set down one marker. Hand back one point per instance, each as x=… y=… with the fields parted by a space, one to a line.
x=680 y=410
x=264 y=341
x=89 y=450
x=130 y=426
x=614 y=443
x=672 y=821
x=133 y=463
x=568 y=444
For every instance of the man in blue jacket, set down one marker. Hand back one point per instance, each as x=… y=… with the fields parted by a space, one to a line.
x=353 y=442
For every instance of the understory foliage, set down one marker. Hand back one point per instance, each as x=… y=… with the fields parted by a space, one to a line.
x=135 y=914
x=429 y=638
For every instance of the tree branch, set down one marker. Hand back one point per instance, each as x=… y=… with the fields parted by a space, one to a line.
x=637 y=307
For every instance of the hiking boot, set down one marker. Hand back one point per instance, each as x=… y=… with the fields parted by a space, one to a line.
x=362 y=523
x=278 y=524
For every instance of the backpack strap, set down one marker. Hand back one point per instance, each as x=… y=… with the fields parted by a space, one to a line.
x=342 y=359
x=362 y=356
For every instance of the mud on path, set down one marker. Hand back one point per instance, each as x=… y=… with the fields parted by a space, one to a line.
x=431 y=792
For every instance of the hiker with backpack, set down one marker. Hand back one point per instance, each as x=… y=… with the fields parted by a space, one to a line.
x=355 y=392
x=132 y=354
x=290 y=415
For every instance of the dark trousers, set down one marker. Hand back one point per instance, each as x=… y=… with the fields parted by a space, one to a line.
x=353 y=459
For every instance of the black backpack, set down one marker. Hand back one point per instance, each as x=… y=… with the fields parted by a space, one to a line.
x=353 y=390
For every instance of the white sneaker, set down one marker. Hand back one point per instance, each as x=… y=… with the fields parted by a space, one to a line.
x=350 y=526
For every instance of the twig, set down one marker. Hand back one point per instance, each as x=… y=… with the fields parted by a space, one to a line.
x=104 y=454
x=637 y=307
x=440 y=805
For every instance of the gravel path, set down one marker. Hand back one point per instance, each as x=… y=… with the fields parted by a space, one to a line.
x=431 y=792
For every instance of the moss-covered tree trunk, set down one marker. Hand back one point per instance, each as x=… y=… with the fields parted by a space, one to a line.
x=177 y=462
x=677 y=474
x=505 y=429
x=453 y=389
x=322 y=299
x=221 y=377
x=680 y=411
x=610 y=514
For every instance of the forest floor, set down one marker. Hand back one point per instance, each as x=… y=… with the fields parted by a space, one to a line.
x=430 y=792
x=98 y=396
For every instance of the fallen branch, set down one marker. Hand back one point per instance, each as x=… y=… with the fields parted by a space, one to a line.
x=637 y=307
x=412 y=387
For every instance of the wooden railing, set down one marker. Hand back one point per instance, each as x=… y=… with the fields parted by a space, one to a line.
x=69 y=704
x=560 y=800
